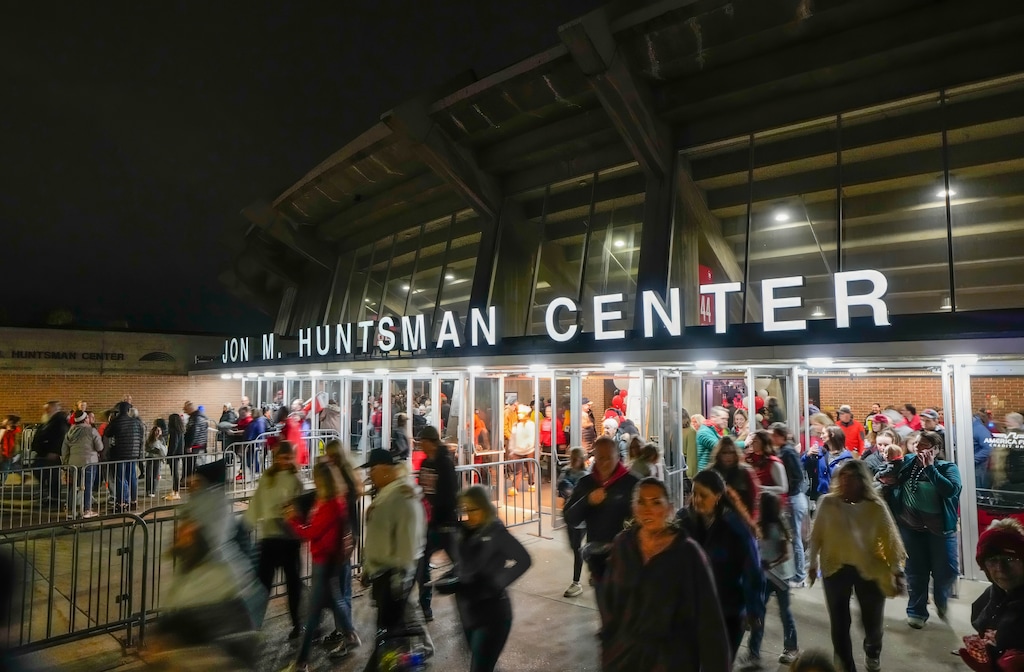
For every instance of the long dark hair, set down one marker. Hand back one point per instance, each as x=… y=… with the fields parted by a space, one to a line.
x=175 y=424
x=771 y=514
x=728 y=500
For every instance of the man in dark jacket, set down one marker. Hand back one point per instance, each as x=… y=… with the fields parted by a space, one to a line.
x=603 y=499
x=441 y=492
x=46 y=444
x=196 y=434
x=796 y=497
x=124 y=439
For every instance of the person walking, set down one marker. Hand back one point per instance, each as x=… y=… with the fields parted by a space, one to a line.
x=602 y=501
x=716 y=521
x=279 y=546
x=196 y=436
x=924 y=497
x=81 y=449
x=440 y=490
x=490 y=559
x=737 y=474
x=796 y=499
x=333 y=453
x=567 y=482
x=326 y=530
x=175 y=453
x=858 y=549
x=664 y=614
x=710 y=433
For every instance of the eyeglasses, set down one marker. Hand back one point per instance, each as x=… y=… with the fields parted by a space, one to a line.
x=1011 y=562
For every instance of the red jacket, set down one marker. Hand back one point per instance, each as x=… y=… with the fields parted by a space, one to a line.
x=545 y=433
x=854 y=436
x=10 y=442
x=325 y=530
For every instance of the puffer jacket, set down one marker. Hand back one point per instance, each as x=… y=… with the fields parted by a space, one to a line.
x=82 y=446
x=196 y=433
x=125 y=436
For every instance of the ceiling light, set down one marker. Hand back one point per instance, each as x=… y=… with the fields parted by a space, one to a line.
x=405 y=287
x=946 y=303
x=381 y=372
x=344 y=372
x=538 y=367
x=614 y=366
x=781 y=216
x=236 y=376
x=858 y=370
x=941 y=193
x=314 y=372
x=289 y=374
x=423 y=369
x=475 y=368
x=700 y=372
x=225 y=376
x=818 y=312
x=819 y=362
x=269 y=374
x=449 y=276
x=620 y=243
x=707 y=364
x=368 y=301
x=250 y=375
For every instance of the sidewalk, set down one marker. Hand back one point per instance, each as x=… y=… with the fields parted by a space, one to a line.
x=553 y=633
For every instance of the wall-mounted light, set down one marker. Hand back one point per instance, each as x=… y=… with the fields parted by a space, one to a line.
x=269 y=374
x=619 y=242
x=344 y=372
x=946 y=303
x=781 y=216
x=818 y=312
x=858 y=370
x=449 y=276
x=423 y=369
x=614 y=366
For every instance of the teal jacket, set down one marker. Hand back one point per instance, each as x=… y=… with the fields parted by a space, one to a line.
x=946 y=479
x=707 y=439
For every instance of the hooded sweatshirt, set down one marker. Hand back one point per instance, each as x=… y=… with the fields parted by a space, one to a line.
x=274 y=491
x=82 y=446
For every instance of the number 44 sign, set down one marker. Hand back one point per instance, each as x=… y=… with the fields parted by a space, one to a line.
x=707 y=301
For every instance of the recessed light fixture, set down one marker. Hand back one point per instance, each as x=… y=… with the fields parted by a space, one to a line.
x=781 y=216
x=941 y=193
x=449 y=276
x=474 y=368
x=344 y=372
x=538 y=367
x=250 y=375
x=289 y=374
x=614 y=366
x=620 y=243
x=380 y=372
x=818 y=312
x=706 y=364
x=236 y=376
x=962 y=359
x=819 y=362
x=423 y=369
x=858 y=370
x=316 y=373
x=700 y=372
x=225 y=376
x=269 y=374
x=946 y=303
x=405 y=287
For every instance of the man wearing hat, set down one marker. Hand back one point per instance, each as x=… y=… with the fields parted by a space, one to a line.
x=441 y=492
x=930 y=423
x=853 y=430
x=394 y=541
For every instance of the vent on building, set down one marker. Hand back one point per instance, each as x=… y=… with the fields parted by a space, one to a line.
x=156 y=357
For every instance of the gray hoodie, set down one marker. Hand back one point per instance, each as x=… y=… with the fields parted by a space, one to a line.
x=82 y=446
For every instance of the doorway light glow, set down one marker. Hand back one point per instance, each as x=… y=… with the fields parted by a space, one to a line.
x=290 y=374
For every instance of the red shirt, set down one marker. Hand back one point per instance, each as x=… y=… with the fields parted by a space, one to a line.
x=244 y=422
x=9 y=445
x=545 y=433
x=854 y=436
x=324 y=531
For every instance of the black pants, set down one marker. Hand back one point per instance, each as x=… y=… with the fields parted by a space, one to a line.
x=486 y=644
x=735 y=627
x=576 y=542
x=439 y=537
x=192 y=461
x=838 y=589
x=283 y=553
x=390 y=591
x=152 y=469
x=597 y=564
x=49 y=478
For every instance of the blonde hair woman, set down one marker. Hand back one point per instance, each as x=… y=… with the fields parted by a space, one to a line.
x=858 y=548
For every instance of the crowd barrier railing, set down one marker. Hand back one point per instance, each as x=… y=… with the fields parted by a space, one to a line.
x=515 y=487
x=35 y=496
x=75 y=579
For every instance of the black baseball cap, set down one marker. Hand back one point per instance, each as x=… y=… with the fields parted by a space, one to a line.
x=585 y=401
x=378 y=456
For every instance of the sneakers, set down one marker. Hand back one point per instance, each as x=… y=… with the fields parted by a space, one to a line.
x=171 y=497
x=512 y=492
x=333 y=639
x=749 y=662
x=873 y=664
x=574 y=590
x=338 y=652
x=788 y=656
x=352 y=639
x=797 y=584
x=533 y=488
x=89 y=514
x=916 y=622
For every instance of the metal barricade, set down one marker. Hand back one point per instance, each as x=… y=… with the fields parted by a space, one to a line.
x=675 y=484
x=35 y=496
x=515 y=487
x=77 y=579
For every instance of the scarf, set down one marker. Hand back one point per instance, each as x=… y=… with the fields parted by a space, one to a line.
x=616 y=474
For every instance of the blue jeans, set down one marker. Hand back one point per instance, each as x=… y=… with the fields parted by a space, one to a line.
x=798 y=508
x=788 y=624
x=345 y=585
x=929 y=556
x=87 y=476
x=325 y=591
x=126 y=478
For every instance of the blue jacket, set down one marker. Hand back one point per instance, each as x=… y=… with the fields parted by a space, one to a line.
x=256 y=427
x=827 y=465
x=982 y=450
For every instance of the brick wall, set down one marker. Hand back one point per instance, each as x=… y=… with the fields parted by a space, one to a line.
x=862 y=391
x=1000 y=394
x=599 y=391
x=25 y=393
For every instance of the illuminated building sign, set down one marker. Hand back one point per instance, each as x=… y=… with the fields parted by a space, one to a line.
x=410 y=333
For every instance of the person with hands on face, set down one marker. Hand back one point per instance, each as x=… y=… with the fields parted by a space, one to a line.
x=663 y=613
x=602 y=500
x=858 y=548
x=716 y=520
x=924 y=496
x=491 y=559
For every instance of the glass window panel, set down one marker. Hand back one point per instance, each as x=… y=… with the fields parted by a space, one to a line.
x=986 y=183
x=613 y=254
x=357 y=298
x=458 y=280
x=378 y=276
x=894 y=218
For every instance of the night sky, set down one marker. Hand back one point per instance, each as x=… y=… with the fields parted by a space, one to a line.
x=133 y=133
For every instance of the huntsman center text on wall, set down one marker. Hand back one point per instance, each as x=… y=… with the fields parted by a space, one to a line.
x=410 y=333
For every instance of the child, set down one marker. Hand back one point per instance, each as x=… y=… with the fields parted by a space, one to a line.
x=155 y=448
x=776 y=546
x=9 y=435
x=646 y=464
x=567 y=480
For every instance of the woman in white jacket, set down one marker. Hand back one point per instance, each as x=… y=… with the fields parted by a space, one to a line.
x=279 y=547
x=82 y=447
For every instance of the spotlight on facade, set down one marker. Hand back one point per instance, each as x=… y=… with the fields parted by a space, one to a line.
x=405 y=287
x=781 y=216
x=269 y=374
x=614 y=366
x=705 y=364
x=620 y=243
x=818 y=312
x=225 y=376
x=250 y=375
x=819 y=362
x=538 y=367
x=449 y=276
x=858 y=370
x=941 y=193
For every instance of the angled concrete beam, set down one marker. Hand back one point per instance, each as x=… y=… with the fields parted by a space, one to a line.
x=455 y=164
x=626 y=98
x=277 y=225
x=234 y=284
